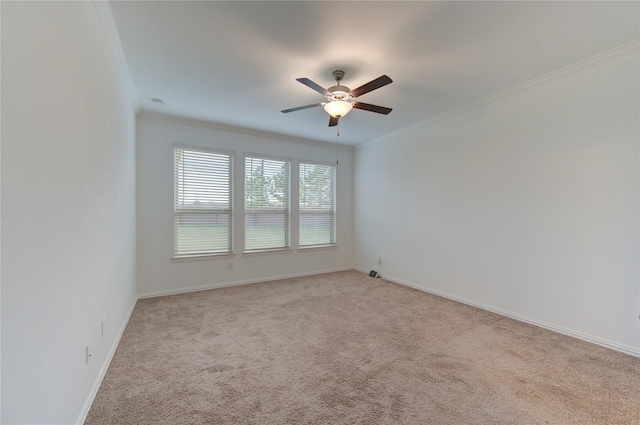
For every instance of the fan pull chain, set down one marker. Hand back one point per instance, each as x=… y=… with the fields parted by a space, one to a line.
x=337 y=136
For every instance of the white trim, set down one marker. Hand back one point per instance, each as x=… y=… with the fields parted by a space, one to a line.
x=575 y=67
x=329 y=163
x=196 y=148
x=201 y=257
x=233 y=129
x=286 y=249
x=559 y=329
x=103 y=371
x=307 y=248
x=237 y=283
x=579 y=335
x=113 y=39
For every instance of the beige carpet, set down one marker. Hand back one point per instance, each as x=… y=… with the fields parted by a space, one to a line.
x=343 y=348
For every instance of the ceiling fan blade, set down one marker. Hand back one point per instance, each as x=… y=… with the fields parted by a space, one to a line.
x=333 y=121
x=299 y=108
x=307 y=82
x=372 y=108
x=371 y=85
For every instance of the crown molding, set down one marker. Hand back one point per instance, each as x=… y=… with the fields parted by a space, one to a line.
x=143 y=113
x=113 y=38
x=569 y=69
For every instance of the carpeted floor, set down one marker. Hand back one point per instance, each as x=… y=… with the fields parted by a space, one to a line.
x=343 y=348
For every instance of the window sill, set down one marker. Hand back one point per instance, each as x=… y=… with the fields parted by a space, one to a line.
x=313 y=247
x=267 y=251
x=202 y=257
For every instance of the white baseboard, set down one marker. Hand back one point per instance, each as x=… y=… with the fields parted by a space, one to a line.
x=103 y=371
x=562 y=330
x=589 y=338
x=237 y=283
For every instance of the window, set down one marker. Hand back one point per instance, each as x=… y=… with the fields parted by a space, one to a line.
x=266 y=204
x=203 y=203
x=317 y=204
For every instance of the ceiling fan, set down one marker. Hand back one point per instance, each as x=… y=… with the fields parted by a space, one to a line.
x=340 y=99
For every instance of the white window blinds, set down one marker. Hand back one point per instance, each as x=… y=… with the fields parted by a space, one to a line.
x=266 y=207
x=317 y=204
x=203 y=203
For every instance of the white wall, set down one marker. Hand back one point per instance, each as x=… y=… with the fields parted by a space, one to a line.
x=68 y=208
x=159 y=274
x=526 y=203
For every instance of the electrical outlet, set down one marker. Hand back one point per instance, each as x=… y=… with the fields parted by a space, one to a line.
x=88 y=352
x=379 y=260
x=230 y=265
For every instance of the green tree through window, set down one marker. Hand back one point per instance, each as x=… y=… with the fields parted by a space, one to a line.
x=317 y=204
x=266 y=204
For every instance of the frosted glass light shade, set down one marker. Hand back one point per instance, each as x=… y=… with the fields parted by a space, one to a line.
x=338 y=108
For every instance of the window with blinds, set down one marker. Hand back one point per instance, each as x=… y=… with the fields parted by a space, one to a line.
x=266 y=203
x=203 y=203
x=317 y=204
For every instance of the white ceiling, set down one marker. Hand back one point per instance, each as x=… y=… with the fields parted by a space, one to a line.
x=235 y=63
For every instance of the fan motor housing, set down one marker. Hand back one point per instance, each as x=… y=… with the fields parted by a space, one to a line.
x=339 y=92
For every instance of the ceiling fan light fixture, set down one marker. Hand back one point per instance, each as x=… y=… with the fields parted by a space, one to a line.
x=338 y=108
x=340 y=99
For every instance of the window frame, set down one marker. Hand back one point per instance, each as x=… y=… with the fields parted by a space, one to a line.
x=228 y=212
x=287 y=211
x=333 y=213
